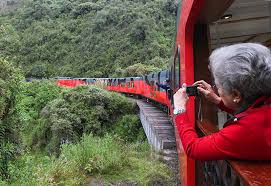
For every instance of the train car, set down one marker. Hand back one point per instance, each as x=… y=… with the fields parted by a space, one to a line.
x=90 y=81
x=151 y=89
x=134 y=85
x=147 y=86
x=202 y=26
x=70 y=82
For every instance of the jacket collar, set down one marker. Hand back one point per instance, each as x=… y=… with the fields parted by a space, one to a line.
x=244 y=112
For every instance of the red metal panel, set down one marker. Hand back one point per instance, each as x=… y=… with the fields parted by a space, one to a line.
x=189 y=13
x=70 y=83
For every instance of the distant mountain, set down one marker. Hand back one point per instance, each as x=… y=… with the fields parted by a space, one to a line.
x=90 y=38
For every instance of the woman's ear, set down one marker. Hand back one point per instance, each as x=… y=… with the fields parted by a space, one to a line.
x=237 y=96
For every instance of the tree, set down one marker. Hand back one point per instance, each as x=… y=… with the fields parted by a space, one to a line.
x=82 y=38
x=139 y=69
x=10 y=84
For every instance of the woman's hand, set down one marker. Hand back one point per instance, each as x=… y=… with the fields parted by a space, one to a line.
x=180 y=98
x=208 y=92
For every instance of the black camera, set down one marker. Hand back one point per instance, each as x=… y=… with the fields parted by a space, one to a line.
x=192 y=90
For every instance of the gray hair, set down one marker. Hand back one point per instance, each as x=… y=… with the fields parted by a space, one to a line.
x=245 y=67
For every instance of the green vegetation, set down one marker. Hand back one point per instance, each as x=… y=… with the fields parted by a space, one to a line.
x=90 y=38
x=9 y=89
x=78 y=111
x=93 y=158
x=52 y=135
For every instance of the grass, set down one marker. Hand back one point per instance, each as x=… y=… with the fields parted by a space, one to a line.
x=107 y=159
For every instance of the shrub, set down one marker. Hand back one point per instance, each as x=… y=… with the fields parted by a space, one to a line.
x=129 y=128
x=105 y=158
x=95 y=156
x=10 y=85
x=35 y=95
x=85 y=8
x=139 y=69
x=77 y=111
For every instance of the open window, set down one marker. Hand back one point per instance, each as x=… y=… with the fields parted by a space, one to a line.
x=177 y=62
x=132 y=83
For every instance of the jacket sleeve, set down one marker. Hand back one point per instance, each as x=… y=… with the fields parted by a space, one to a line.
x=222 y=145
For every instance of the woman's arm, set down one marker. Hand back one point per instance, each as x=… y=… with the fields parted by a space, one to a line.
x=225 y=144
x=216 y=146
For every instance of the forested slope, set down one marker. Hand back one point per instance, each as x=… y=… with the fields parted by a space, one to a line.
x=90 y=38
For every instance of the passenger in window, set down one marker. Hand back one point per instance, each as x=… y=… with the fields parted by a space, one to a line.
x=165 y=85
x=242 y=74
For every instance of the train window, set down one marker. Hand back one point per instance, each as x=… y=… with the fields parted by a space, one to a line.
x=171 y=80
x=159 y=81
x=177 y=62
x=147 y=79
x=118 y=81
x=132 y=82
x=162 y=79
x=171 y=77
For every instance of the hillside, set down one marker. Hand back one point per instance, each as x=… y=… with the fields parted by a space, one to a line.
x=90 y=38
x=7 y=6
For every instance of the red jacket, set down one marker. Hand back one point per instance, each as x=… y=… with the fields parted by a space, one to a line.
x=247 y=136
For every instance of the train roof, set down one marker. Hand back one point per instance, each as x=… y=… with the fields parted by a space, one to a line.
x=63 y=78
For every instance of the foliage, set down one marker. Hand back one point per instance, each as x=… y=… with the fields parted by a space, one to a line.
x=34 y=96
x=139 y=69
x=105 y=158
x=91 y=38
x=90 y=130
x=129 y=128
x=88 y=38
x=96 y=156
x=66 y=117
x=10 y=80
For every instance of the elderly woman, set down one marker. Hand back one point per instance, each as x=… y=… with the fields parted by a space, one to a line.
x=242 y=74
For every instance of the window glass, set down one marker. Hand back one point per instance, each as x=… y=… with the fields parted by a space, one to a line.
x=170 y=91
x=132 y=82
x=177 y=69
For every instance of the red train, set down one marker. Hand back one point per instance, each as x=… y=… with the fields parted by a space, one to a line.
x=151 y=86
x=202 y=25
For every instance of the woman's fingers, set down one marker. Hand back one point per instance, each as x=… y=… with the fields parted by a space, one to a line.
x=210 y=95
x=180 y=98
x=199 y=82
x=203 y=91
x=181 y=92
x=202 y=83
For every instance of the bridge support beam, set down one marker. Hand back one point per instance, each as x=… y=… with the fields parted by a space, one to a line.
x=157 y=126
